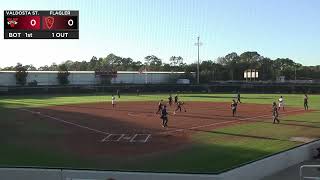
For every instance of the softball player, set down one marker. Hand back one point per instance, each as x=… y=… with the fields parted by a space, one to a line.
x=281 y=103
x=275 y=113
x=113 y=101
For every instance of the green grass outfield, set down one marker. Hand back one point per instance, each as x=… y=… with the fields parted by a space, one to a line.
x=213 y=152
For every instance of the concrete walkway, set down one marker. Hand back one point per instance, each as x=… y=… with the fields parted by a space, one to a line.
x=292 y=173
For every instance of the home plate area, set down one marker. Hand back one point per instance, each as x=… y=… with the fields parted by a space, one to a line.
x=129 y=138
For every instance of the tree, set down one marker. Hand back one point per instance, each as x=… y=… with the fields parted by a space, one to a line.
x=63 y=75
x=176 y=64
x=30 y=67
x=206 y=71
x=166 y=67
x=93 y=63
x=265 y=69
x=232 y=61
x=54 y=67
x=229 y=67
x=153 y=62
x=44 y=68
x=285 y=67
x=10 y=68
x=176 y=61
x=21 y=74
x=250 y=57
x=135 y=66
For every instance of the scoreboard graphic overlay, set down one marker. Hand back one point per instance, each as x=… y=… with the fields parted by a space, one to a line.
x=30 y=24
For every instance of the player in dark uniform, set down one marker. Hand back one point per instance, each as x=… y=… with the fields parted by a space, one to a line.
x=238 y=98
x=275 y=113
x=234 y=105
x=176 y=99
x=180 y=104
x=164 y=116
x=170 y=99
x=305 y=102
x=118 y=93
x=160 y=106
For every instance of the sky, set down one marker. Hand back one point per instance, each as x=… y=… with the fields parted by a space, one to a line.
x=165 y=28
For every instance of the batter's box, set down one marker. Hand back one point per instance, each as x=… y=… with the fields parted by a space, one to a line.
x=113 y=138
x=141 y=138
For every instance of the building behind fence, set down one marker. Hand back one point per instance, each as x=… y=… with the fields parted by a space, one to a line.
x=48 y=78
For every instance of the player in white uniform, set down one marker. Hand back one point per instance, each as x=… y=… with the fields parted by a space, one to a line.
x=281 y=103
x=113 y=101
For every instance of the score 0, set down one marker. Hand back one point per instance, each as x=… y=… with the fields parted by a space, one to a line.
x=70 y=22
x=65 y=34
x=33 y=22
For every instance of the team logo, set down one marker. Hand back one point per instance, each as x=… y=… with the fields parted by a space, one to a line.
x=12 y=21
x=49 y=21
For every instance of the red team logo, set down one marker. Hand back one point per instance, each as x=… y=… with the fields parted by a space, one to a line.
x=12 y=21
x=49 y=21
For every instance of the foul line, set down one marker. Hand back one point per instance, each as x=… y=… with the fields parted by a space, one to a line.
x=85 y=127
x=223 y=122
x=66 y=122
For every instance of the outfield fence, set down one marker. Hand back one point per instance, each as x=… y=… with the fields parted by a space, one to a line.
x=133 y=88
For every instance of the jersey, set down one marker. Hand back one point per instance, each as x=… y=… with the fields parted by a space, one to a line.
x=280 y=100
x=275 y=111
x=164 y=113
x=176 y=99
x=234 y=105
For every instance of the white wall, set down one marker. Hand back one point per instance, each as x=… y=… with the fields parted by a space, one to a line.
x=105 y=175
x=28 y=173
x=82 y=78
x=143 y=78
x=7 y=78
x=43 y=78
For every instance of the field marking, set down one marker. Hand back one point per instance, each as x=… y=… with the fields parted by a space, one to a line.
x=66 y=122
x=104 y=139
x=109 y=139
x=223 y=122
x=133 y=137
x=147 y=136
x=121 y=136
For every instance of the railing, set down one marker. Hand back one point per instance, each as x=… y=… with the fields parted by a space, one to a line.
x=309 y=177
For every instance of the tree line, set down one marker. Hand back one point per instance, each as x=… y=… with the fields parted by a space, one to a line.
x=229 y=67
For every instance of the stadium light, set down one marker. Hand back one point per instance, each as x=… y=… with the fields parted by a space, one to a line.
x=198 y=64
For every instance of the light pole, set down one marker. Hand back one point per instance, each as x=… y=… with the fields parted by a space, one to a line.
x=198 y=64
